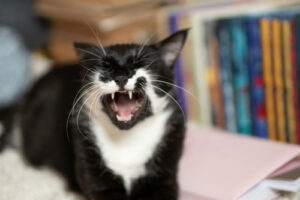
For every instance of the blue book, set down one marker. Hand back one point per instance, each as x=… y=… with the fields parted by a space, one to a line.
x=179 y=80
x=257 y=92
x=297 y=45
x=223 y=34
x=240 y=75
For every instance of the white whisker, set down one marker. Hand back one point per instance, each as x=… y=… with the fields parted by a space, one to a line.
x=80 y=109
x=89 y=52
x=185 y=90
x=74 y=105
x=146 y=41
x=171 y=98
x=98 y=40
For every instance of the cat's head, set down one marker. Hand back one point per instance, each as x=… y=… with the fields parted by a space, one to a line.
x=131 y=82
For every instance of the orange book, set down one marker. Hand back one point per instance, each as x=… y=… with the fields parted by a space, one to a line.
x=213 y=73
x=288 y=82
x=268 y=77
x=278 y=79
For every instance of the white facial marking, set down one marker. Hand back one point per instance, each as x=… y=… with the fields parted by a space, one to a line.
x=106 y=87
x=157 y=103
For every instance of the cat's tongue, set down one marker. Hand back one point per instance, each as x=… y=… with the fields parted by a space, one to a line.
x=125 y=106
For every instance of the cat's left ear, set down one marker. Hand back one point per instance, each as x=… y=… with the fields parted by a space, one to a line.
x=171 y=46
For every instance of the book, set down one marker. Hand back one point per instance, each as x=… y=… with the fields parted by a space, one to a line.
x=286 y=181
x=278 y=78
x=240 y=75
x=288 y=82
x=214 y=82
x=265 y=26
x=296 y=61
x=257 y=92
x=235 y=163
x=224 y=38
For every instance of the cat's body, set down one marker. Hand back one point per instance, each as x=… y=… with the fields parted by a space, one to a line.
x=114 y=129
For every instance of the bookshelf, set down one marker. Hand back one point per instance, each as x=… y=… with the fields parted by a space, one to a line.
x=241 y=61
x=85 y=20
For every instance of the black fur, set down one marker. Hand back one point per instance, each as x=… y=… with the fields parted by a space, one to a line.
x=50 y=140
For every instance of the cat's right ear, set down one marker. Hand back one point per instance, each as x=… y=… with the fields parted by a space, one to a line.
x=171 y=46
x=85 y=50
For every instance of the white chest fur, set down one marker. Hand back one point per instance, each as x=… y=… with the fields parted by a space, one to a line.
x=126 y=152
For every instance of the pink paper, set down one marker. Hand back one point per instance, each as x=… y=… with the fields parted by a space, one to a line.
x=221 y=165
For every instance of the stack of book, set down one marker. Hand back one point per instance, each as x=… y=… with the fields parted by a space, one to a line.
x=110 y=22
x=241 y=64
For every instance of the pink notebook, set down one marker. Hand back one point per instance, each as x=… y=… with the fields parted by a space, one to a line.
x=220 y=165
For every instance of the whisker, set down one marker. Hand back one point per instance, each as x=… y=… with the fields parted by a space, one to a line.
x=87 y=68
x=162 y=77
x=89 y=52
x=92 y=59
x=174 y=85
x=97 y=38
x=84 y=93
x=146 y=41
x=171 y=98
x=81 y=90
x=93 y=103
x=80 y=109
x=73 y=108
x=148 y=65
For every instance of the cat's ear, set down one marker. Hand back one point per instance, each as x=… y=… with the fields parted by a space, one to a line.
x=171 y=46
x=85 y=50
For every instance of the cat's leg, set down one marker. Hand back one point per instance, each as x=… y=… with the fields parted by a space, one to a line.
x=101 y=188
x=162 y=190
x=108 y=195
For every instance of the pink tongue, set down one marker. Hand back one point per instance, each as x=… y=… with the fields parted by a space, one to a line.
x=125 y=106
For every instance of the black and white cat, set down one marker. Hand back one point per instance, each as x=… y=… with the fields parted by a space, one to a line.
x=112 y=126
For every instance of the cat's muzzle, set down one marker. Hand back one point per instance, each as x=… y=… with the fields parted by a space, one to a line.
x=126 y=105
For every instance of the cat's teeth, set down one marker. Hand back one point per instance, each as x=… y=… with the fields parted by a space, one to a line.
x=130 y=94
x=112 y=96
x=124 y=119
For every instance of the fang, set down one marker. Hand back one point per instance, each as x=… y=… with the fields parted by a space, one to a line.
x=130 y=94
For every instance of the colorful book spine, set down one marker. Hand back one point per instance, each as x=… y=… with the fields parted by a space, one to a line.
x=214 y=75
x=265 y=26
x=288 y=81
x=223 y=33
x=297 y=66
x=295 y=87
x=257 y=91
x=240 y=75
x=278 y=79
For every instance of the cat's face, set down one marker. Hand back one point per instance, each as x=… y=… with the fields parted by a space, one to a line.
x=131 y=82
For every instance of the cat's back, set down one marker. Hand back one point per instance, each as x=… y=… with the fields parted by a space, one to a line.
x=52 y=95
x=44 y=117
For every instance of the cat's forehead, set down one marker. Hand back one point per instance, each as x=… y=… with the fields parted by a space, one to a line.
x=123 y=50
x=124 y=53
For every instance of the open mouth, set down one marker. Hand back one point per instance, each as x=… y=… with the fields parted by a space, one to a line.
x=125 y=105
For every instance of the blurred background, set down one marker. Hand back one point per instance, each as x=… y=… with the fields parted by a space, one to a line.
x=240 y=66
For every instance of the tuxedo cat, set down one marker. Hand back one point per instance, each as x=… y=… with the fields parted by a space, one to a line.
x=111 y=125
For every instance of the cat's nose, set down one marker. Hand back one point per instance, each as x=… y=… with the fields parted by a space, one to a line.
x=121 y=81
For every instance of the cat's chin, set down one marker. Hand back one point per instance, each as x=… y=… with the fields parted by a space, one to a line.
x=125 y=108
